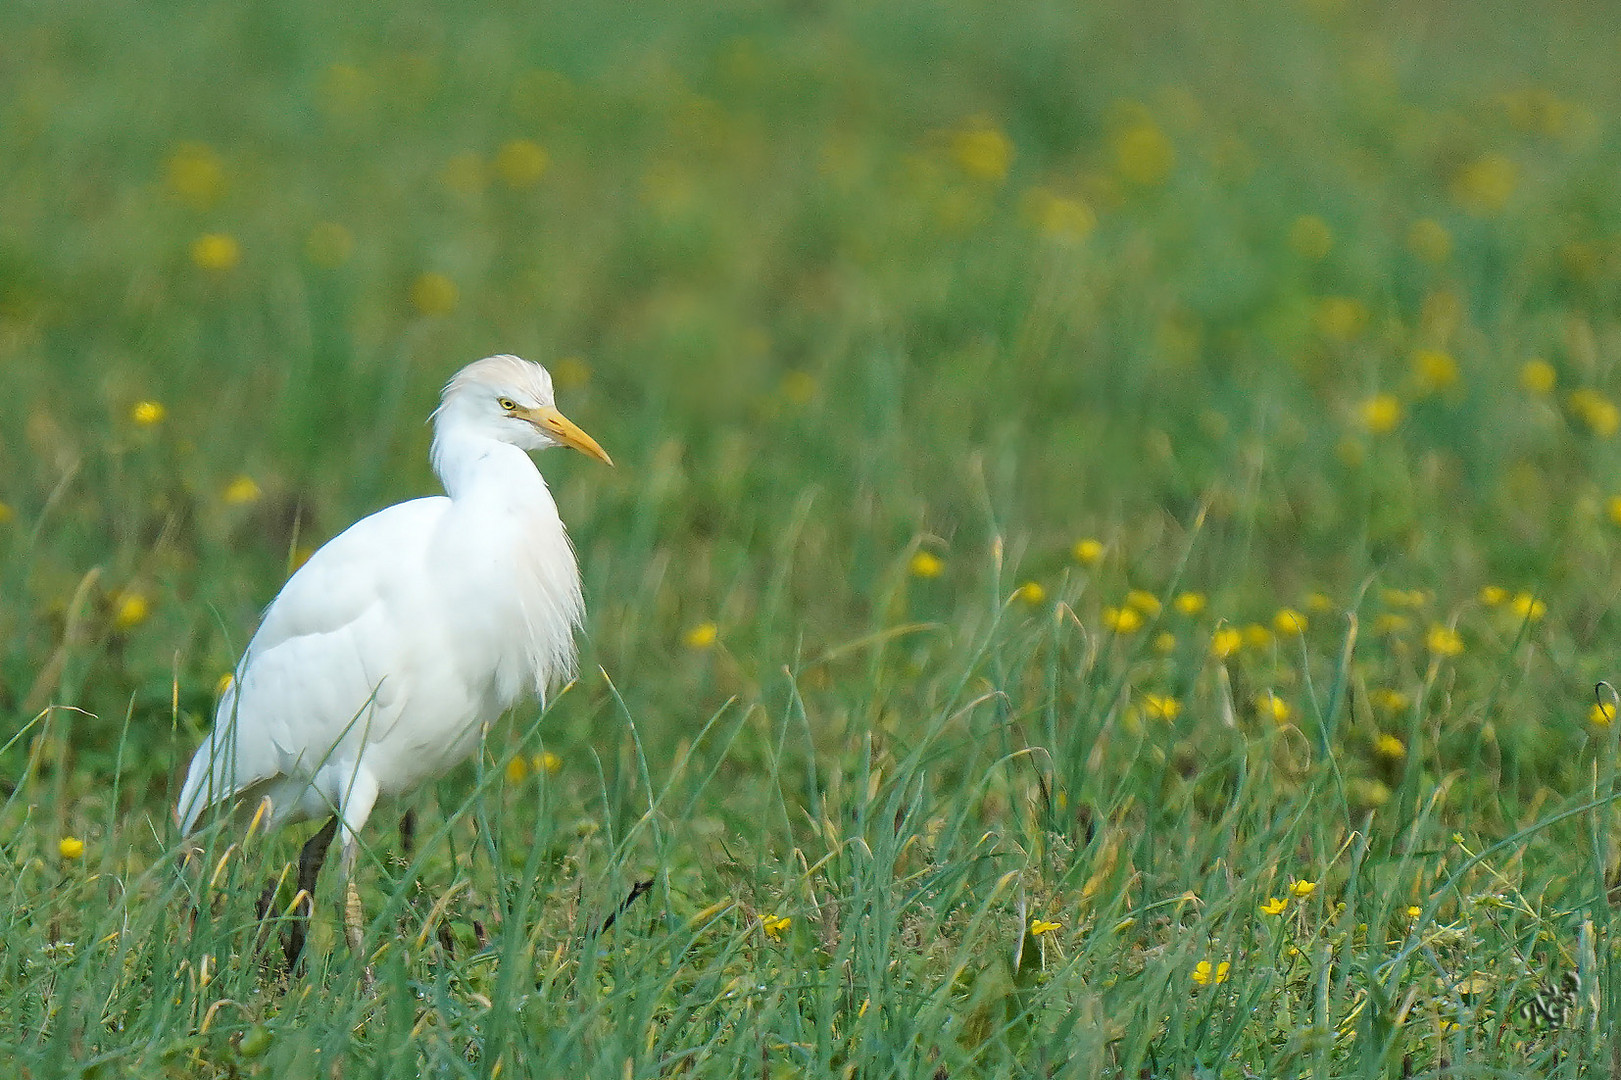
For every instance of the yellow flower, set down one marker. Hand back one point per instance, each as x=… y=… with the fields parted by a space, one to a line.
x=1257 y=637
x=1429 y=240
x=1381 y=413
x=1273 y=706
x=1289 y=621
x=1493 y=595
x=223 y=683
x=1527 y=607
x=546 y=762
x=1434 y=370
x=1274 y=905
x=329 y=245
x=1302 y=888
x=1164 y=642
x=982 y=151
x=1123 y=620
x=1485 y=185
x=1414 y=911
x=1391 y=623
x=241 y=490
x=1161 y=707
x=1319 y=602
x=196 y=175
x=1389 y=746
x=521 y=163
x=799 y=388
x=517 y=770
x=1225 y=641
x=1601 y=714
x=1389 y=701
x=1538 y=376
x=130 y=610
x=1205 y=973
x=571 y=373
x=70 y=847
x=1144 y=601
x=1409 y=598
x=1031 y=593
x=1042 y=926
x=147 y=413
x=218 y=252
x=702 y=636
x=434 y=294
x=1310 y=237
x=774 y=925
x=1341 y=318
x=6 y=513
x=1595 y=410
x=1058 y=216
x=1142 y=153
x=926 y=564
x=1089 y=552
x=1189 y=603
x=1444 y=641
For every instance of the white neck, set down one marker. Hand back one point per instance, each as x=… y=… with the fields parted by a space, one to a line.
x=468 y=463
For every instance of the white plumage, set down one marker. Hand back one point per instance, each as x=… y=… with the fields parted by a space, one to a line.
x=386 y=653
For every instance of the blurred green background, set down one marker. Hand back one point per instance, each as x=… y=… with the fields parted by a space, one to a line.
x=921 y=334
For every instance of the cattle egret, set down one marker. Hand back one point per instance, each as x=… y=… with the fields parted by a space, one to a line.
x=385 y=654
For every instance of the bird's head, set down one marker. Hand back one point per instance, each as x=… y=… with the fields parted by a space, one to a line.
x=510 y=399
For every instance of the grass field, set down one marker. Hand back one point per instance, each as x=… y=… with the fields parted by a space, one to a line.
x=1112 y=545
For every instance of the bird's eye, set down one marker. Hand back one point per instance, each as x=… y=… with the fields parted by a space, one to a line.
x=506 y=403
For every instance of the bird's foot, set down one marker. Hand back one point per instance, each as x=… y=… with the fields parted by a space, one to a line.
x=354 y=925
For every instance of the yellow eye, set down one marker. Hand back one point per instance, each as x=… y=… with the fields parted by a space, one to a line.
x=506 y=403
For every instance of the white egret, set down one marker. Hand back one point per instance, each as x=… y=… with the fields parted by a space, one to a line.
x=385 y=654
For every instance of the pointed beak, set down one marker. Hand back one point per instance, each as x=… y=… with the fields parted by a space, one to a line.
x=565 y=431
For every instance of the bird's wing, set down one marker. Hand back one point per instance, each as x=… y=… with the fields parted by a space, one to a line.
x=312 y=675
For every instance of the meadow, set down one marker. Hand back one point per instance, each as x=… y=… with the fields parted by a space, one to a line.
x=1110 y=555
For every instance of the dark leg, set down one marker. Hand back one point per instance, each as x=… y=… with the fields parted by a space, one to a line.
x=408 y=835
x=309 y=868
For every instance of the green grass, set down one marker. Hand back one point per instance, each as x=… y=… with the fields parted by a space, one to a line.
x=1246 y=294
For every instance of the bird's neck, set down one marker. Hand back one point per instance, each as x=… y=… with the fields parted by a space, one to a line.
x=470 y=465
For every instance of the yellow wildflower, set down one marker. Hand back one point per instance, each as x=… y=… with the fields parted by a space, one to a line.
x=774 y=925
x=1485 y=185
x=799 y=388
x=1205 y=973
x=70 y=847
x=1161 y=707
x=1143 y=154
x=241 y=490
x=1189 y=603
x=1058 y=216
x=1381 y=413
x=1319 y=602
x=702 y=636
x=147 y=413
x=1289 y=621
x=1341 y=318
x=1414 y=911
x=546 y=762
x=517 y=770
x=434 y=294
x=521 y=163
x=982 y=151
x=1271 y=705
x=218 y=252
x=1595 y=410
x=1429 y=240
x=1274 y=905
x=1089 y=552
x=1391 y=623
x=1031 y=593
x=1434 y=370
x=329 y=245
x=6 y=513
x=1042 y=926
x=1302 y=888
x=196 y=175
x=1257 y=637
x=571 y=373
x=1389 y=701
x=1225 y=641
x=1444 y=641
x=1310 y=237
x=1164 y=642
x=223 y=683
x=1389 y=746
x=1144 y=601
x=1123 y=620
x=1538 y=376
x=1493 y=595
x=1601 y=714
x=1528 y=607
x=1408 y=598
x=926 y=564
x=130 y=610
